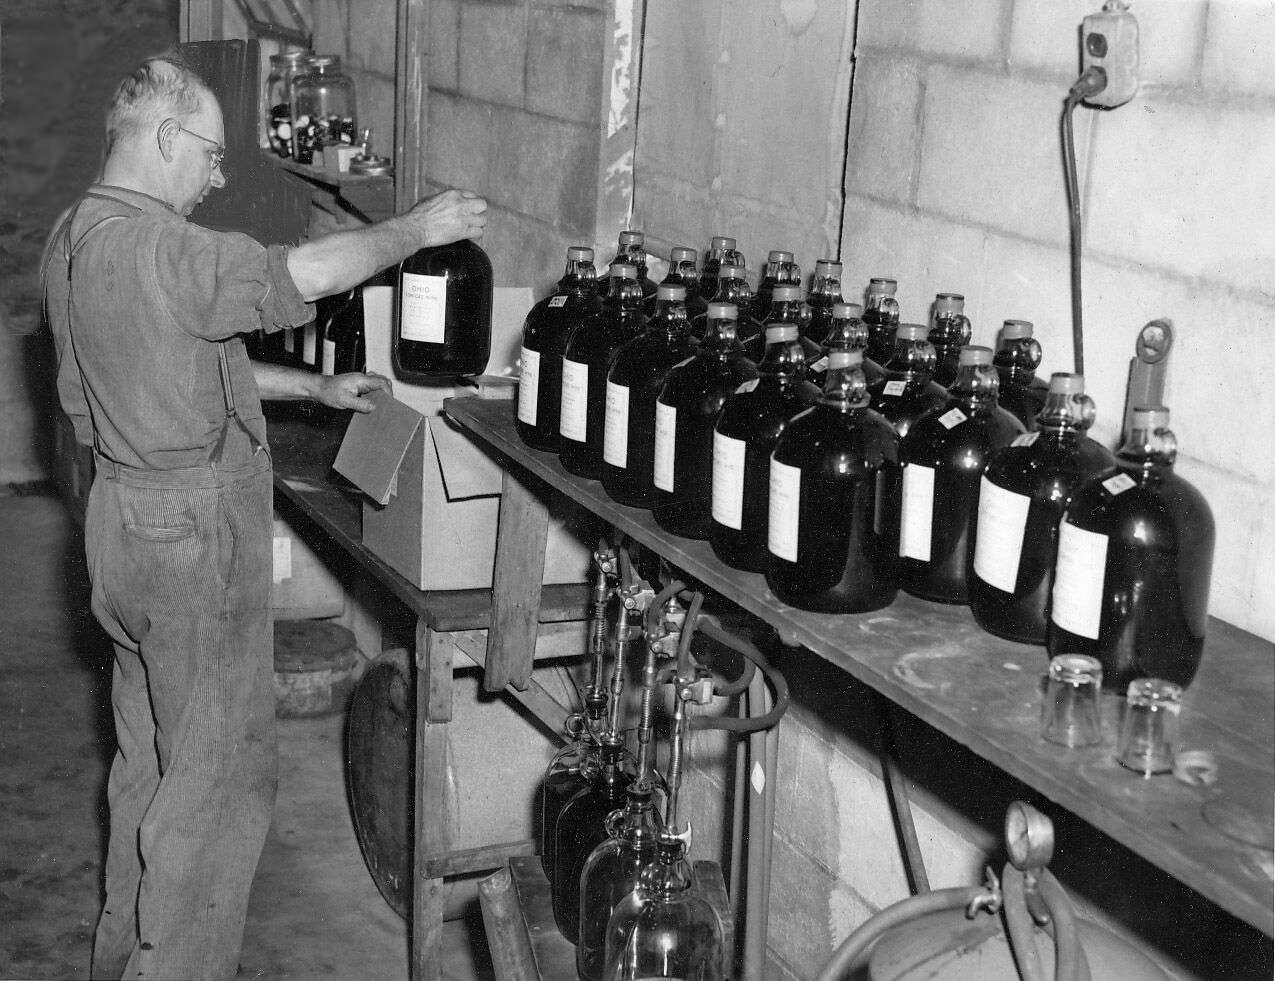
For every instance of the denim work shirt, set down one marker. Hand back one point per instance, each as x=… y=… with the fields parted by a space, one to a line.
x=152 y=298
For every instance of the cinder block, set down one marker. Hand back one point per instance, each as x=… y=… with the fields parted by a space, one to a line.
x=705 y=805
x=375 y=95
x=1240 y=37
x=564 y=64
x=1026 y=281
x=458 y=142
x=808 y=815
x=444 y=44
x=523 y=251
x=974 y=31
x=885 y=129
x=800 y=910
x=1045 y=36
x=951 y=860
x=1171 y=39
x=784 y=93
x=760 y=227
x=1240 y=511
x=373 y=34
x=866 y=854
x=682 y=94
x=990 y=152
x=331 y=27
x=672 y=211
x=925 y=254
x=545 y=168
x=1186 y=188
x=493 y=52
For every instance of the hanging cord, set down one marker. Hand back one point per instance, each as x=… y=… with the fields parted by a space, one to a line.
x=1091 y=82
x=901 y=805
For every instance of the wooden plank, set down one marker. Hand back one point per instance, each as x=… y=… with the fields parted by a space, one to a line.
x=507 y=940
x=478 y=859
x=535 y=698
x=433 y=711
x=520 y=565
x=934 y=661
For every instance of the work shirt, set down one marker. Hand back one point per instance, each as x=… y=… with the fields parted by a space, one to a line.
x=153 y=299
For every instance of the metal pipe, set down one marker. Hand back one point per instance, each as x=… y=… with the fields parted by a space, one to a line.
x=756 y=901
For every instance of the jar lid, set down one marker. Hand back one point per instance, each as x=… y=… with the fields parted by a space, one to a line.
x=730 y=272
x=1145 y=417
x=723 y=311
x=1016 y=329
x=371 y=166
x=681 y=253
x=580 y=253
x=780 y=332
x=632 y=238
x=827 y=267
x=786 y=293
x=912 y=332
x=325 y=61
x=779 y=255
x=1066 y=383
x=879 y=284
x=623 y=270
x=670 y=292
x=845 y=359
x=846 y=311
x=949 y=303
x=974 y=354
x=721 y=242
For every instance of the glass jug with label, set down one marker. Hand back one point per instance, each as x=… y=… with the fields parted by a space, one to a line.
x=442 y=323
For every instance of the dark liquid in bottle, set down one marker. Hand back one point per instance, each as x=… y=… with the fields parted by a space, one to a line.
x=955 y=459
x=581 y=827
x=442 y=324
x=1153 y=606
x=544 y=340
x=1023 y=398
x=847 y=525
x=881 y=328
x=565 y=777
x=1048 y=473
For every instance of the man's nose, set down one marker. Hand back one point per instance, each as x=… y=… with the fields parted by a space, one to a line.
x=218 y=177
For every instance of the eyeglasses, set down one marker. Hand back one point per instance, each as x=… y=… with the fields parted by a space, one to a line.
x=216 y=155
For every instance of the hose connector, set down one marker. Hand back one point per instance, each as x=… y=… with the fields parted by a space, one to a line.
x=989 y=901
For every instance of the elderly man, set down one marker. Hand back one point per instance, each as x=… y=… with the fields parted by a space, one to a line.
x=147 y=312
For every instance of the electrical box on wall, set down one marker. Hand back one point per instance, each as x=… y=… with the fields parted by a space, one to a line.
x=1109 y=40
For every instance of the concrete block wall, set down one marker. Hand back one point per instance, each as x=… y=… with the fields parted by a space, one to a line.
x=954 y=182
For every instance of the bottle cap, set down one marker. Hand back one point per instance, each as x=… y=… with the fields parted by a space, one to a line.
x=827 y=267
x=580 y=253
x=1066 y=383
x=912 y=332
x=974 y=354
x=670 y=292
x=1146 y=417
x=781 y=332
x=623 y=270
x=632 y=238
x=779 y=255
x=324 y=61
x=723 y=311
x=721 y=242
x=879 y=284
x=949 y=303
x=681 y=253
x=786 y=294
x=730 y=272
x=845 y=359
x=1016 y=329
x=846 y=311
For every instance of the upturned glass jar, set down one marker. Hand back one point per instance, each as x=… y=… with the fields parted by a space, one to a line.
x=323 y=108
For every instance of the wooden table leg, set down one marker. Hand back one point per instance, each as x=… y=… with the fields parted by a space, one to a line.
x=433 y=713
x=520 y=564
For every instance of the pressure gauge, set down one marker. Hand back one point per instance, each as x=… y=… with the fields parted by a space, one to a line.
x=1154 y=341
x=1029 y=836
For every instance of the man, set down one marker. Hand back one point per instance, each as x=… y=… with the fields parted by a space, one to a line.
x=147 y=312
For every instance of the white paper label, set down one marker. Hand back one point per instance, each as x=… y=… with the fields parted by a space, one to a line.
x=820 y=365
x=290 y=341
x=573 y=418
x=615 y=438
x=424 y=312
x=998 y=536
x=282 y=559
x=918 y=512
x=529 y=386
x=952 y=418
x=748 y=386
x=309 y=340
x=785 y=509
x=1118 y=484
x=558 y=301
x=665 y=445
x=329 y=357
x=896 y=387
x=1026 y=439
x=728 y=481
x=1078 y=580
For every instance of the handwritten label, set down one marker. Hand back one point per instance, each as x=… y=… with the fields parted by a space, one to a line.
x=918 y=512
x=998 y=535
x=665 y=445
x=615 y=435
x=728 y=481
x=424 y=308
x=529 y=387
x=558 y=301
x=952 y=418
x=1118 y=484
x=1026 y=439
x=895 y=388
x=573 y=418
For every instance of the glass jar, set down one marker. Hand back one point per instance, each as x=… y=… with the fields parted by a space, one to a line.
x=278 y=102
x=323 y=110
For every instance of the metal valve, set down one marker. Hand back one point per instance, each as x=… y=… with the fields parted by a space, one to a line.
x=637 y=597
x=607 y=560
x=697 y=690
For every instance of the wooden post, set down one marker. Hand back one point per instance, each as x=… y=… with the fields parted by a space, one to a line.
x=433 y=713
x=515 y=595
x=411 y=101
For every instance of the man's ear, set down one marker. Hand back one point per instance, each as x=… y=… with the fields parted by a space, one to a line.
x=166 y=137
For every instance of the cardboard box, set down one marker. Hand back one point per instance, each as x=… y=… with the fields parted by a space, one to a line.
x=434 y=500
x=303 y=587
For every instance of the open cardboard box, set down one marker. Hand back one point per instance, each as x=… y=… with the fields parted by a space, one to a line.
x=433 y=494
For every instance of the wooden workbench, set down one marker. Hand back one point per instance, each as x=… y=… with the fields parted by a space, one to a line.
x=448 y=623
x=983 y=692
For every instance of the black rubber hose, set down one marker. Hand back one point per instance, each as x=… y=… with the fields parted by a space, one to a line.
x=688 y=631
x=777 y=683
x=1091 y=82
x=896 y=786
x=1019 y=927
x=1069 y=959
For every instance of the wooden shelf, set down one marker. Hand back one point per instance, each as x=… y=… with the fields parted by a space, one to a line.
x=372 y=196
x=983 y=692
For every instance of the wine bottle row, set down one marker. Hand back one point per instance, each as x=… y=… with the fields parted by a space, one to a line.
x=846 y=455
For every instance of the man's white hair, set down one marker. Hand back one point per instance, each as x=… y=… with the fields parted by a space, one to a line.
x=159 y=88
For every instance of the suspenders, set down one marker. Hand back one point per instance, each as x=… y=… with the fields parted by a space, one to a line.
x=69 y=253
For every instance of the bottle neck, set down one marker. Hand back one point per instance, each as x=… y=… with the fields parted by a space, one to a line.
x=912 y=359
x=950 y=330
x=734 y=291
x=976 y=387
x=1020 y=357
x=825 y=289
x=883 y=307
x=850 y=334
x=578 y=277
x=1066 y=415
x=784 y=312
x=845 y=388
x=1149 y=449
x=670 y=319
x=721 y=336
x=670 y=874
x=785 y=359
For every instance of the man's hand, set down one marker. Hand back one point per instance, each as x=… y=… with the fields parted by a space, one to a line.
x=346 y=391
x=449 y=217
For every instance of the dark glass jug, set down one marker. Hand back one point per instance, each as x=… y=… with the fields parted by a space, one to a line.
x=442 y=326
